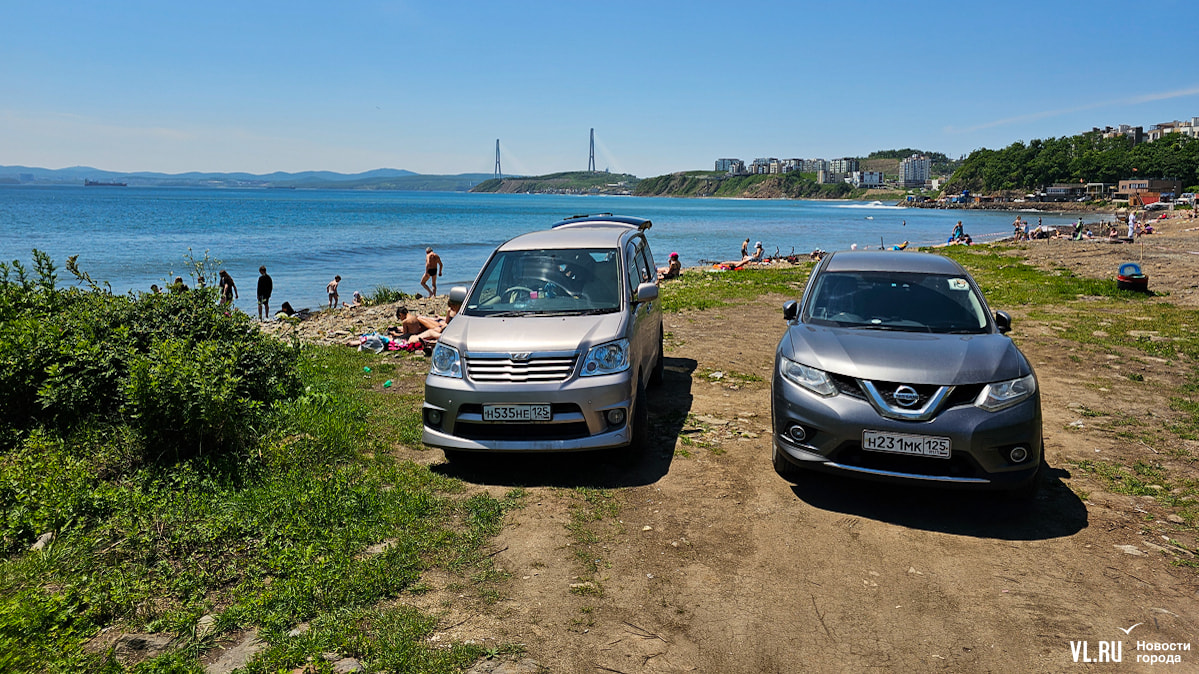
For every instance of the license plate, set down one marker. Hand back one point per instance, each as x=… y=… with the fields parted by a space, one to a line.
x=902 y=443
x=516 y=413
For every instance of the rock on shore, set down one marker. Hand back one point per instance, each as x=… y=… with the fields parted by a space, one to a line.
x=337 y=326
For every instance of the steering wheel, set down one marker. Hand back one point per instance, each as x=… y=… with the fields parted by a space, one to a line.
x=559 y=286
x=513 y=293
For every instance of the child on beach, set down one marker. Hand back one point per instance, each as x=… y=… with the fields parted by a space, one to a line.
x=228 y=288
x=332 y=290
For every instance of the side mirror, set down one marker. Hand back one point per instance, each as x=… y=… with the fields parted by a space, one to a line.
x=646 y=292
x=1003 y=321
x=790 y=310
x=458 y=294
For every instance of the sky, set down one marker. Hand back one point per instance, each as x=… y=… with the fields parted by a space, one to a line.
x=429 y=86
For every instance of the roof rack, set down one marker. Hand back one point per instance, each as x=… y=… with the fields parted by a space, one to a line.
x=604 y=219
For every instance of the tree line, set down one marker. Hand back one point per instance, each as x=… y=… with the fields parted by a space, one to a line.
x=1085 y=158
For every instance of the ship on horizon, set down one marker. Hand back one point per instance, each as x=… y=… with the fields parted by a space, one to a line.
x=102 y=183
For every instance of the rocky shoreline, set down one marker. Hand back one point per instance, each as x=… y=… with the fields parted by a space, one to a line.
x=338 y=326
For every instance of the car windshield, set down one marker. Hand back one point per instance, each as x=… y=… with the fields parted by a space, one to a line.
x=547 y=283
x=909 y=302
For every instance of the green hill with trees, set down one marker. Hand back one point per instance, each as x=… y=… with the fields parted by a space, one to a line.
x=719 y=184
x=1086 y=158
x=569 y=182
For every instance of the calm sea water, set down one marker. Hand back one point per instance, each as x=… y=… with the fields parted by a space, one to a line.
x=133 y=237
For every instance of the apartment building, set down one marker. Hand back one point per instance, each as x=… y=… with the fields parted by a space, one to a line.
x=733 y=166
x=915 y=170
x=1187 y=128
x=844 y=165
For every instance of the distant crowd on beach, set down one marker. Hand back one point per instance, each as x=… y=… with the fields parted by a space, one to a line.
x=228 y=292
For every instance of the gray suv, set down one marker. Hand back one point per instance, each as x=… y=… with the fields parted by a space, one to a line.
x=554 y=346
x=893 y=368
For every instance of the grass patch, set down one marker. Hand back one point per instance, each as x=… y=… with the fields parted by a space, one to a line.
x=590 y=509
x=697 y=289
x=271 y=538
x=1147 y=478
x=384 y=294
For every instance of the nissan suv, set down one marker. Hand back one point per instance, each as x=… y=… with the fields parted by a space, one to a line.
x=554 y=345
x=893 y=368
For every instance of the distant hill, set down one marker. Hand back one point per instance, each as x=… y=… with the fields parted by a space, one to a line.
x=570 y=182
x=378 y=179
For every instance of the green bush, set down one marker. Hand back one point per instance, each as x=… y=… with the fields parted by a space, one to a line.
x=187 y=374
x=382 y=294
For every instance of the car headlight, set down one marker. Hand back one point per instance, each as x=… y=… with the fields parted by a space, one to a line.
x=446 y=362
x=816 y=381
x=1004 y=394
x=606 y=358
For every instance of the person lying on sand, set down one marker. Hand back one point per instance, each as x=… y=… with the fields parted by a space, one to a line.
x=415 y=328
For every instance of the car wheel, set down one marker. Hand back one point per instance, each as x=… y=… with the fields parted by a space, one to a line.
x=785 y=469
x=1029 y=490
x=656 y=374
x=639 y=425
x=463 y=459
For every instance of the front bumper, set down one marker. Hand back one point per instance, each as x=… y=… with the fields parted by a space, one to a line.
x=981 y=441
x=579 y=420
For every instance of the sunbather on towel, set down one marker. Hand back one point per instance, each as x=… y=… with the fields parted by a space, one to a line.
x=415 y=328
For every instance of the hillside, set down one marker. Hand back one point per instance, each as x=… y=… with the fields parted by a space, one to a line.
x=571 y=182
x=716 y=184
x=377 y=179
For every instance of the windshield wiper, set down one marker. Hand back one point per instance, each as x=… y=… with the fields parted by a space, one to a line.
x=892 y=328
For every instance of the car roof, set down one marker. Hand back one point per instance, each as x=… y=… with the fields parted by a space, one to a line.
x=888 y=260
x=604 y=231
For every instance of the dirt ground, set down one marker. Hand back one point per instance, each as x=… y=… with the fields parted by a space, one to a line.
x=715 y=564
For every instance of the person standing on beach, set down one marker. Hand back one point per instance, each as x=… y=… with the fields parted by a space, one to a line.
x=332 y=290
x=228 y=288
x=745 y=248
x=433 y=269
x=1132 y=224
x=265 y=286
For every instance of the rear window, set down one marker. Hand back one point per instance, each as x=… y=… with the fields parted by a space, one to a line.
x=908 y=302
x=547 y=283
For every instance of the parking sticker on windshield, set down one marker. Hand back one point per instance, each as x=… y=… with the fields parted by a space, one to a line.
x=958 y=284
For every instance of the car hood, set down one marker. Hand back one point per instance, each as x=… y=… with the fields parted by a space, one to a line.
x=908 y=357
x=481 y=334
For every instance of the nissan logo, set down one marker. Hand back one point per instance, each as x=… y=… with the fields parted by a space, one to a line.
x=906 y=395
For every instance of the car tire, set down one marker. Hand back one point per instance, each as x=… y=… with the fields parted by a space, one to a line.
x=1028 y=491
x=785 y=469
x=656 y=374
x=639 y=427
x=464 y=459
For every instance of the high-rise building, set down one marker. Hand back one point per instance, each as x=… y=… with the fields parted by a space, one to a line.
x=914 y=171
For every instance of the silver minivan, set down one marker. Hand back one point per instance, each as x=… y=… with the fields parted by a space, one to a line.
x=554 y=345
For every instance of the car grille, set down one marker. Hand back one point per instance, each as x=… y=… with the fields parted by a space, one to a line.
x=962 y=395
x=505 y=369
x=848 y=386
x=887 y=389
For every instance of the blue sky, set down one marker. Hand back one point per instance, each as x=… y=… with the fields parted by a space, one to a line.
x=668 y=86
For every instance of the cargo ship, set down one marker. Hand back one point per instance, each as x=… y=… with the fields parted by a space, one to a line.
x=101 y=183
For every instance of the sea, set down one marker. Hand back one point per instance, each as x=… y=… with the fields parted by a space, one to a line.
x=133 y=237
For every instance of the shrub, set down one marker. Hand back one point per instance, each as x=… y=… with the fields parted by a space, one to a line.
x=185 y=373
x=382 y=294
